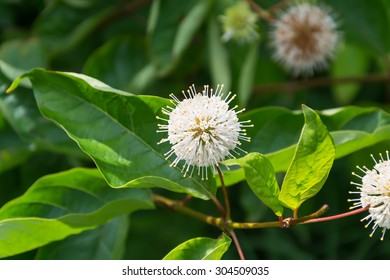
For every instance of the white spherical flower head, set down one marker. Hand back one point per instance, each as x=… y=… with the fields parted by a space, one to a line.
x=202 y=130
x=304 y=38
x=374 y=193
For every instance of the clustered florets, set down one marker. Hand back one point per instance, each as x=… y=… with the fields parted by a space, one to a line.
x=202 y=129
x=374 y=193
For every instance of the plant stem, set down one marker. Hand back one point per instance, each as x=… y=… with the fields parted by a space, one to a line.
x=263 y=13
x=123 y=11
x=295 y=214
x=175 y=205
x=228 y=226
x=237 y=244
x=278 y=6
x=219 y=206
x=225 y=194
x=338 y=216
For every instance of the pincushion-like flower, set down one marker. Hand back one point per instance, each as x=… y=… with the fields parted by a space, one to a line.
x=374 y=193
x=304 y=38
x=202 y=130
x=239 y=23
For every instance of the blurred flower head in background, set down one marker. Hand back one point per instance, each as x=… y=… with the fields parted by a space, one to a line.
x=304 y=38
x=239 y=23
x=374 y=192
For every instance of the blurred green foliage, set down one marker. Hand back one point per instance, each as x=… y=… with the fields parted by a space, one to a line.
x=157 y=47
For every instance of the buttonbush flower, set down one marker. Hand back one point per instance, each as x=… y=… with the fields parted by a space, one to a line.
x=202 y=130
x=239 y=23
x=304 y=38
x=374 y=192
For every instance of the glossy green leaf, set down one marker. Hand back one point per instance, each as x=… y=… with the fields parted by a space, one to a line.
x=105 y=242
x=311 y=163
x=218 y=56
x=260 y=176
x=116 y=129
x=201 y=248
x=63 y=204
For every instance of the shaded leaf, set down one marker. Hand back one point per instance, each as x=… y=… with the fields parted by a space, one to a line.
x=260 y=176
x=21 y=111
x=61 y=27
x=105 y=242
x=201 y=248
x=12 y=150
x=63 y=204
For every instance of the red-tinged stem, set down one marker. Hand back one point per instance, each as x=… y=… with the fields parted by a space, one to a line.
x=263 y=13
x=237 y=244
x=338 y=216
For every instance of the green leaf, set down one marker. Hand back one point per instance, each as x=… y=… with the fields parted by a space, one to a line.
x=20 y=235
x=12 y=150
x=116 y=129
x=21 y=111
x=218 y=56
x=63 y=204
x=201 y=248
x=105 y=242
x=311 y=163
x=260 y=176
